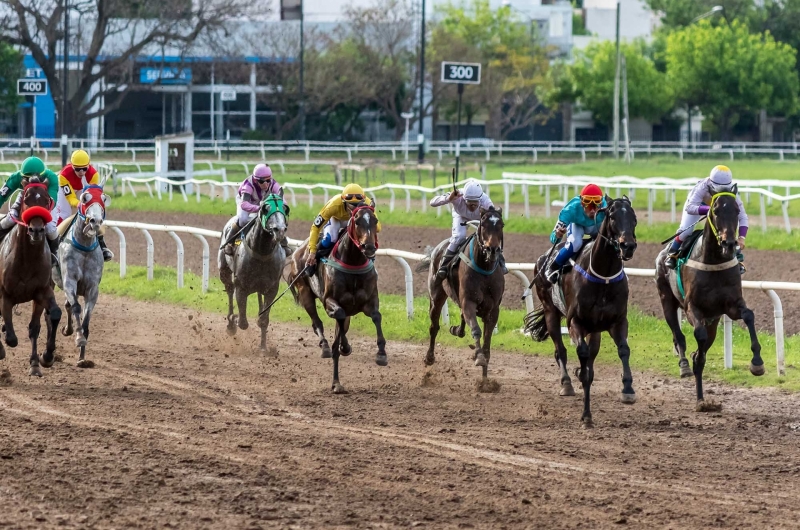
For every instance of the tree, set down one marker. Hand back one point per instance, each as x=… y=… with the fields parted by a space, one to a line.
x=589 y=81
x=728 y=72
x=115 y=33
x=10 y=71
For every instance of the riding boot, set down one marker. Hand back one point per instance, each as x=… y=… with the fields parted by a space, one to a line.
x=322 y=252
x=553 y=272
x=448 y=258
x=672 y=258
x=53 y=244
x=107 y=254
x=740 y=257
x=230 y=247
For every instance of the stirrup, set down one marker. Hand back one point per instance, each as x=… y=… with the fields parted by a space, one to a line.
x=229 y=249
x=671 y=262
x=553 y=275
x=107 y=254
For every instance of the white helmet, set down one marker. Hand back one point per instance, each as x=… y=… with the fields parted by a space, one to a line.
x=472 y=191
x=720 y=179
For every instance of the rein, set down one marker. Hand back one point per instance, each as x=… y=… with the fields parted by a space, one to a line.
x=340 y=265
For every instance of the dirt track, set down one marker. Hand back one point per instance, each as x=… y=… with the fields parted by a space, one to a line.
x=180 y=427
x=762 y=265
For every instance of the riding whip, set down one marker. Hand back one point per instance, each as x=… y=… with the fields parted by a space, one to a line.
x=232 y=238
x=454 y=179
x=550 y=253
x=299 y=274
x=679 y=233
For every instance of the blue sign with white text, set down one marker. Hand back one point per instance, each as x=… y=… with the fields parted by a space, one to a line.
x=165 y=76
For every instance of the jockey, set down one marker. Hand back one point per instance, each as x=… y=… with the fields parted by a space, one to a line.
x=31 y=167
x=251 y=193
x=580 y=216
x=466 y=206
x=697 y=205
x=335 y=214
x=76 y=175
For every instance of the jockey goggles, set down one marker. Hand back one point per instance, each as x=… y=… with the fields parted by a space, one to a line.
x=82 y=169
x=588 y=200
x=353 y=197
x=262 y=180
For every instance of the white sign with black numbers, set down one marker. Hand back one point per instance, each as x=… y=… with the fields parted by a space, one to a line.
x=227 y=95
x=463 y=73
x=32 y=87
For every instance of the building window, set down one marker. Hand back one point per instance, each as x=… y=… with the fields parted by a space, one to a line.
x=556 y=24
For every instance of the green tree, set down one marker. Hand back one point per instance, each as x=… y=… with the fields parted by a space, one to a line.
x=589 y=81
x=727 y=72
x=10 y=71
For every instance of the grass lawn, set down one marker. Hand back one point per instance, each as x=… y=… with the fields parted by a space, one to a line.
x=650 y=340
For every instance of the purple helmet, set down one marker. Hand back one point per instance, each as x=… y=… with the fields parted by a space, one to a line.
x=262 y=172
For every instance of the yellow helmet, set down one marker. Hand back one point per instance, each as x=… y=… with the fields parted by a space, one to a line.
x=353 y=193
x=80 y=158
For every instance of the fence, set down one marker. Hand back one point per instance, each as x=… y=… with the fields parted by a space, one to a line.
x=401 y=256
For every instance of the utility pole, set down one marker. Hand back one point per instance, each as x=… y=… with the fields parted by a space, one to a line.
x=420 y=136
x=66 y=86
x=616 y=93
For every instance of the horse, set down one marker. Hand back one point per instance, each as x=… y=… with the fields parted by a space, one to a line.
x=594 y=298
x=256 y=265
x=346 y=283
x=81 y=265
x=477 y=285
x=25 y=275
x=707 y=285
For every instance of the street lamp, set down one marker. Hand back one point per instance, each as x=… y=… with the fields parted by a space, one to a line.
x=714 y=11
x=407 y=116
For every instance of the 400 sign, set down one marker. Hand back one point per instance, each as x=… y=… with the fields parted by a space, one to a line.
x=461 y=73
x=32 y=87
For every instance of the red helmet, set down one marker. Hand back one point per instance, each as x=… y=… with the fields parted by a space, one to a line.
x=591 y=194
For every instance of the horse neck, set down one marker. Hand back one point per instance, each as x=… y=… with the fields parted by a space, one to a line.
x=260 y=241
x=349 y=253
x=605 y=258
x=710 y=250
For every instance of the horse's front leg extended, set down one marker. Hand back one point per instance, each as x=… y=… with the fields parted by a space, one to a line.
x=488 y=330
x=469 y=310
x=8 y=323
x=336 y=386
x=619 y=333
x=438 y=299
x=746 y=314
x=34 y=328
x=241 y=302
x=704 y=341
x=586 y=373
x=374 y=313
x=53 y=313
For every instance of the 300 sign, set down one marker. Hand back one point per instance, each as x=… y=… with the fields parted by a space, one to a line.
x=466 y=73
x=31 y=87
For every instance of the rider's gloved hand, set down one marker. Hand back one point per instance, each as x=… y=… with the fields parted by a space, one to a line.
x=455 y=194
x=311 y=261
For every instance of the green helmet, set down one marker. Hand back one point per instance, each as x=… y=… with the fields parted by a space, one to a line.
x=32 y=166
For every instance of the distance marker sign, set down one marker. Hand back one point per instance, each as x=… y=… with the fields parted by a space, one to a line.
x=462 y=73
x=32 y=87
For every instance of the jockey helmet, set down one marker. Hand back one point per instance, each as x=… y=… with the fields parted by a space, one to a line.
x=720 y=179
x=591 y=194
x=472 y=191
x=262 y=172
x=79 y=158
x=32 y=166
x=353 y=193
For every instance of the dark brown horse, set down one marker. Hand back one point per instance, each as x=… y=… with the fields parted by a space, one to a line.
x=25 y=269
x=594 y=298
x=476 y=285
x=346 y=283
x=712 y=287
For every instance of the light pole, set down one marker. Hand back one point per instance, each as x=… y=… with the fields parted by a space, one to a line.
x=420 y=137
x=66 y=86
x=407 y=116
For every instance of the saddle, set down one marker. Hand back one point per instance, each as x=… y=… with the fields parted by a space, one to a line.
x=461 y=250
x=687 y=245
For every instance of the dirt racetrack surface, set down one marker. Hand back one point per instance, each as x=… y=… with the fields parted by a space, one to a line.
x=180 y=426
x=762 y=265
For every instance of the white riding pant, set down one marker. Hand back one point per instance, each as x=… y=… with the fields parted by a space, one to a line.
x=13 y=213
x=687 y=225
x=63 y=208
x=575 y=233
x=458 y=234
x=243 y=216
x=330 y=232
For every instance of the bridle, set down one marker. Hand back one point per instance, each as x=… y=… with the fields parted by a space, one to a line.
x=96 y=199
x=614 y=239
x=484 y=249
x=712 y=215
x=351 y=228
x=27 y=213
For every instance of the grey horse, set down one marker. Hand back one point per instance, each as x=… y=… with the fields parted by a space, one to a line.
x=256 y=264
x=81 y=262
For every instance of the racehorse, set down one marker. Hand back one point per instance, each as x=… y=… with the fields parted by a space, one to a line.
x=256 y=265
x=81 y=263
x=594 y=298
x=476 y=285
x=706 y=285
x=25 y=275
x=346 y=283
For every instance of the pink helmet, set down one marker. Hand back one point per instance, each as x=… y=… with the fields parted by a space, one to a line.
x=262 y=171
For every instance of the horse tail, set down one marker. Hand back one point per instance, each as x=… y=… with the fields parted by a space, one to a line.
x=535 y=325
x=425 y=262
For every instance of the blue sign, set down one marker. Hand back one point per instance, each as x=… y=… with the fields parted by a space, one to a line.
x=165 y=76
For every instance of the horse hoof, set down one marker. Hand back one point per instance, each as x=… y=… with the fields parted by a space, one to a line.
x=381 y=360
x=11 y=342
x=326 y=352
x=338 y=388
x=345 y=350
x=480 y=360
x=35 y=371
x=587 y=423
x=45 y=363
x=757 y=370
x=567 y=390
x=66 y=331
x=243 y=324
x=628 y=399
x=707 y=406
x=85 y=363
x=2 y=352
x=231 y=330
x=686 y=372
x=429 y=359
x=80 y=341
x=457 y=331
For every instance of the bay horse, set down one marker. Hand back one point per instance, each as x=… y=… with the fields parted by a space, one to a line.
x=477 y=285
x=25 y=275
x=706 y=286
x=593 y=298
x=256 y=265
x=81 y=265
x=346 y=283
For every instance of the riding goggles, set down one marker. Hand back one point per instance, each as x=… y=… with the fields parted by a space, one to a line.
x=588 y=200
x=81 y=169
x=353 y=197
x=263 y=180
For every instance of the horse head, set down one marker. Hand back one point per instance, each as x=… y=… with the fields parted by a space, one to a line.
x=363 y=230
x=35 y=208
x=490 y=233
x=272 y=217
x=619 y=226
x=723 y=220
x=92 y=209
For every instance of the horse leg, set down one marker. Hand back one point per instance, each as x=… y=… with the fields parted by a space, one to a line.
x=344 y=345
x=458 y=331
x=619 y=333
x=701 y=335
x=34 y=327
x=67 y=329
x=586 y=373
x=469 y=311
x=746 y=314
x=438 y=299
x=553 y=322
x=226 y=276
x=87 y=316
x=8 y=323
x=306 y=299
x=670 y=306
x=488 y=330
x=336 y=386
x=374 y=313
x=53 y=313
x=241 y=302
